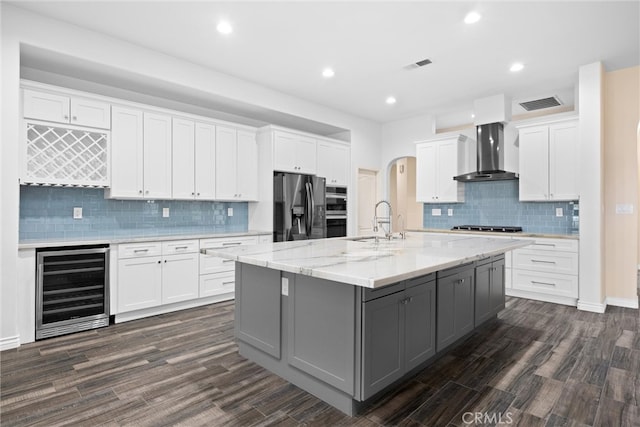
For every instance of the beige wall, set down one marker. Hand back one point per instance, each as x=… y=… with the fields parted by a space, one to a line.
x=402 y=195
x=621 y=116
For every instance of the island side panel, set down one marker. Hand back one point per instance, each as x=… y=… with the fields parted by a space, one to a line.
x=257 y=320
x=321 y=330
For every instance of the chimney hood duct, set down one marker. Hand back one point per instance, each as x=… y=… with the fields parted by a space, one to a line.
x=490 y=155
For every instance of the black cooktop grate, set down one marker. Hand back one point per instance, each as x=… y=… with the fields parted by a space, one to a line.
x=494 y=228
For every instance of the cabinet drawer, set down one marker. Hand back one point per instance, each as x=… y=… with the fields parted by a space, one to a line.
x=370 y=294
x=552 y=262
x=216 y=284
x=134 y=250
x=227 y=242
x=420 y=280
x=213 y=264
x=566 y=245
x=545 y=283
x=179 y=247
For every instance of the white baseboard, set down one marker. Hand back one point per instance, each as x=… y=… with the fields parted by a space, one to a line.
x=8 y=343
x=592 y=306
x=168 y=308
x=623 y=302
x=555 y=299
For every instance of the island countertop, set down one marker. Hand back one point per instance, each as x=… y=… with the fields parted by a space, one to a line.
x=362 y=261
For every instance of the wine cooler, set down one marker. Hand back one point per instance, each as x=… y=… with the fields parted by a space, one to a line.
x=72 y=290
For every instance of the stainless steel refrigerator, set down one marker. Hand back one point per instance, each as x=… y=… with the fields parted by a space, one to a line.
x=299 y=207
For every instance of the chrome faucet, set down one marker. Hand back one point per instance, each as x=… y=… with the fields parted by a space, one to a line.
x=383 y=220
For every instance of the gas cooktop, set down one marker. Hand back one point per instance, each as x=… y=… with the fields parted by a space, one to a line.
x=494 y=228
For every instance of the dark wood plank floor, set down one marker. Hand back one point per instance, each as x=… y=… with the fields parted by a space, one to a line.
x=539 y=365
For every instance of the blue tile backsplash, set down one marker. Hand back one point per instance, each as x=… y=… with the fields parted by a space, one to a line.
x=496 y=203
x=47 y=213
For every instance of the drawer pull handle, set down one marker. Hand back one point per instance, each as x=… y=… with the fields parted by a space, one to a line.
x=545 y=244
x=543 y=283
x=231 y=243
x=228 y=283
x=135 y=251
x=227 y=260
x=542 y=261
x=182 y=247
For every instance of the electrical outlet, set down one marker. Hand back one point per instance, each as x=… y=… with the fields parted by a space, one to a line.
x=77 y=213
x=559 y=212
x=449 y=212
x=165 y=212
x=436 y=212
x=285 y=286
x=229 y=211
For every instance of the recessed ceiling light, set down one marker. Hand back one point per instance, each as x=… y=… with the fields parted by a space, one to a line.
x=224 y=27
x=473 y=116
x=390 y=100
x=328 y=73
x=516 y=67
x=472 y=17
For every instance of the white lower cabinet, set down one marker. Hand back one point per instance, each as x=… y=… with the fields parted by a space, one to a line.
x=139 y=283
x=546 y=270
x=152 y=274
x=217 y=275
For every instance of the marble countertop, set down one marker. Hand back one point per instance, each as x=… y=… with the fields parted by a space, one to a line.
x=368 y=263
x=490 y=233
x=51 y=243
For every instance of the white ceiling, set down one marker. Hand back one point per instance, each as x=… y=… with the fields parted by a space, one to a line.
x=285 y=46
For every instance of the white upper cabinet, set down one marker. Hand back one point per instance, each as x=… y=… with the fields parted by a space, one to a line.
x=193 y=167
x=64 y=109
x=549 y=162
x=247 y=167
x=333 y=163
x=294 y=153
x=157 y=156
x=126 y=154
x=183 y=153
x=141 y=155
x=437 y=162
x=236 y=165
x=205 y=161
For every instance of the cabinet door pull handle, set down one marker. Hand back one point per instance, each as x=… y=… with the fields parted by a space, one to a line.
x=231 y=243
x=543 y=283
x=75 y=118
x=66 y=117
x=159 y=262
x=542 y=261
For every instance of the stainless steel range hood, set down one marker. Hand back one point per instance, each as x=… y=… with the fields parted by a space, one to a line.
x=490 y=114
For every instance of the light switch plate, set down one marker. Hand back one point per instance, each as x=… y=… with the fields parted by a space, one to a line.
x=285 y=287
x=229 y=211
x=436 y=212
x=77 y=213
x=449 y=212
x=624 y=208
x=165 y=212
x=559 y=212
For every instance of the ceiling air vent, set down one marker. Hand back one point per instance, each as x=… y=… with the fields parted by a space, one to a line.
x=539 y=104
x=418 y=64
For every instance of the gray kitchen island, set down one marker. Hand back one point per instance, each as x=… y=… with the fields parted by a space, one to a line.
x=346 y=318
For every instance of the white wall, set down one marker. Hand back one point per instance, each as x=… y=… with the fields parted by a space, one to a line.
x=20 y=26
